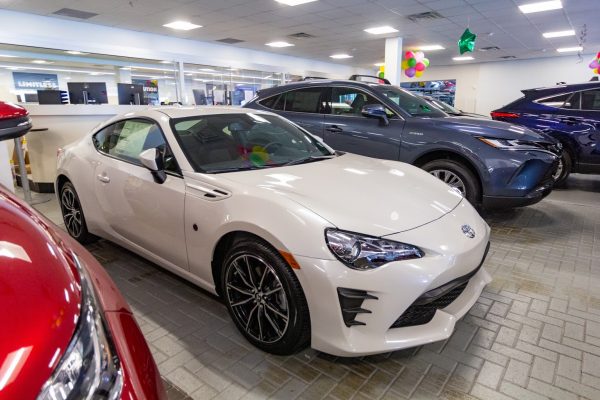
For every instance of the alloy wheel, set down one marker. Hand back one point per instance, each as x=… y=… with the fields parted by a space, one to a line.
x=559 y=170
x=71 y=210
x=257 y=298
x=451 y=179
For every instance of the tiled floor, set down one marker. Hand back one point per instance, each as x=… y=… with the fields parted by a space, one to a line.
x=534 y=333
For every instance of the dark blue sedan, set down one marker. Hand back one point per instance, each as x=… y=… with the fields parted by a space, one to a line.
x=569 y=113
x=493 y=164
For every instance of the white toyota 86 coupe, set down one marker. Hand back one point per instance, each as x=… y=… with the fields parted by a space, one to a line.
x=305 y=245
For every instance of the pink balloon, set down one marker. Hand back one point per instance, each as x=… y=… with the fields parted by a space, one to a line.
x=410 y=72
x=419 y=55
x=420 y=66
x=594 y=64
x=409 y=54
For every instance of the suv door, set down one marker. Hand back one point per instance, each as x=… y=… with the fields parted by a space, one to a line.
x=303 y=106
x=346 y=129
x=135 y=208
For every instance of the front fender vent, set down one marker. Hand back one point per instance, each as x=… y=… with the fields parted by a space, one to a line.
x=207 y=192
x=351 y=303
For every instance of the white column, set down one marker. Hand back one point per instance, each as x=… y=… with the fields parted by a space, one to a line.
x=123 y=75
x=181 y=95
x=393 y=60
x=5 y=171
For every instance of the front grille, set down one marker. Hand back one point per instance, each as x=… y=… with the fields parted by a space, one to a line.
x=422 y=314
x=422 y=310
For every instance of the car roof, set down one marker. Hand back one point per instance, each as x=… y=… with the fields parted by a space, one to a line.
x=560 y=88
x=183 y=112
x=316 y=82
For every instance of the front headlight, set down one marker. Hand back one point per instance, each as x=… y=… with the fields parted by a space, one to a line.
x=90 y=368
x=513 y=144
x=365 y=252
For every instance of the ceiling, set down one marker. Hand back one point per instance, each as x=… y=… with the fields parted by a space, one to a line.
x=337 y=25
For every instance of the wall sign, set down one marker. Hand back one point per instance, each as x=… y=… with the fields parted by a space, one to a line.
x=28 y=80
x=150 y=87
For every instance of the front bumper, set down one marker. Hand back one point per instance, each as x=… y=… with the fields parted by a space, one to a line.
x=393 y=288
x=536 y=195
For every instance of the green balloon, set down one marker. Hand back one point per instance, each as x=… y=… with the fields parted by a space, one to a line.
x=466 y=41
x=412 y=62
x=425 y=62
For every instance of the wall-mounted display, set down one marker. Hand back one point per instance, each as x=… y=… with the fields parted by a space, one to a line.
x=150 y=90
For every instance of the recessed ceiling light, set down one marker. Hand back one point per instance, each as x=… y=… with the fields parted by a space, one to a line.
x=380 y=30
x=294 y=2
x=279 y=44
x=558 y=34
x=430 y=47
x=125 y=69
x=379 y=64
x=340 y=56
x=41 y=62
x=206 y=69
x=568 y=49
x=182 y=25
x=463 y=58
x=75 y=52
x=541 y=6
x=165 y=62
x=8 y=56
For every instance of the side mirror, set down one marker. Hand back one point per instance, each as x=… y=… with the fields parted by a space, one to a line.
x=152 y=159
x=376 y=111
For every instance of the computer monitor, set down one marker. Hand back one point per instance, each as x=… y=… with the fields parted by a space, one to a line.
x=31 y=98
x=87 y=92
x=131 y=94
x=50 y=96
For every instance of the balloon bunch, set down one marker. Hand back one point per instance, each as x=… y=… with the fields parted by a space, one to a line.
x=414 y=63
x=595 y=64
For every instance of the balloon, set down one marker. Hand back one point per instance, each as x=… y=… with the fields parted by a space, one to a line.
x=404 y=64
x=420 y=66
x=425 y=62
x=594 y=64
x=412 y=62
x=410 y=72
x=418 y=74
x=409 y=54
x=466 y=41
x=597 y=71
x=419 y=55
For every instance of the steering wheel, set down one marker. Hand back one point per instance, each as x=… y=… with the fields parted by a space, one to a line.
x=266 y=147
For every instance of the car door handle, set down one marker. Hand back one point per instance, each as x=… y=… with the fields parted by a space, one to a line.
x=103 y=178
x=334 y=129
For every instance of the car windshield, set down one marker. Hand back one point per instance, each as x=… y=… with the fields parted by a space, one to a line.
x=411 y=103
x=447 y=108
x=238 y=142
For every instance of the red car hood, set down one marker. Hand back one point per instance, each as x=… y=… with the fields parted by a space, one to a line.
x=40 y=299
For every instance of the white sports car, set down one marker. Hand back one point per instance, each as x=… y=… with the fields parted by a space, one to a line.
x=349 y=254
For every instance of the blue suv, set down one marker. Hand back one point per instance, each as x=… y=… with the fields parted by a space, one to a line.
x=493 y=164
x=569 y=113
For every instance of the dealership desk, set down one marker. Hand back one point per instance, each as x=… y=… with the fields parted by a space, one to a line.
x=65 y=124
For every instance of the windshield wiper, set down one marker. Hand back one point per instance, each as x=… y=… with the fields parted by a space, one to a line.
x=309 y=159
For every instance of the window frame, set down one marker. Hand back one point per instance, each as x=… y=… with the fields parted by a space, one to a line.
x=177 y=173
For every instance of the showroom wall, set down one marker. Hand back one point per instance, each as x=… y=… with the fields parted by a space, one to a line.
x=39 y=31
x=484 y=87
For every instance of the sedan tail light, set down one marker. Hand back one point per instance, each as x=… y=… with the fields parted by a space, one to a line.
x=501 y=114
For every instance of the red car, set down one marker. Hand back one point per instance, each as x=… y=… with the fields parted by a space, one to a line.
x=67 y=332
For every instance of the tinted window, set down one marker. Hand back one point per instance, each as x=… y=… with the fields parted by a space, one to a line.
x=573 y=102
x=229 y=142
x=555 y=101
x=270 y=102
x=590 y=100
x=350 y=101
x=303 y=100
x=125 y=140
x=409 y=102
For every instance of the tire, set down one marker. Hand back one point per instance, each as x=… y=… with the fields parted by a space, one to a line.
x=264 y=298
x=73 y=217
x=564 y=169
x=456 y=175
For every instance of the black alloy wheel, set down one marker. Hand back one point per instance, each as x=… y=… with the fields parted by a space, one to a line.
x=73 y=215
x=264 y=298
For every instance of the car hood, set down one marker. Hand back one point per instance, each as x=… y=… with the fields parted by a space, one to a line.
x=488 y=128
x=359 y=194
x=40 y=298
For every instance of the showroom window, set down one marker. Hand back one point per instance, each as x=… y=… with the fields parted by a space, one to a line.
x=590 y=100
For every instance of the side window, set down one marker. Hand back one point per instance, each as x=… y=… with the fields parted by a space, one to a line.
x=555 y=101
x=125 y=140
x=590 y=100
x=303 y=100
x=350 y=101
x=573 y=102
x=269 y=102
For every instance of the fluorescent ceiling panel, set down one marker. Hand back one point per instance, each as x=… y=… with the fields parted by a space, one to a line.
x=380 y=30
x=541 y=6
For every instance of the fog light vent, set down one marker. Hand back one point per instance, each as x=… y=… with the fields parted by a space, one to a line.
x=351 y=303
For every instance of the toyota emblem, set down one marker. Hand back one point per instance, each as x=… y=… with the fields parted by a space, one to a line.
x=468 y=231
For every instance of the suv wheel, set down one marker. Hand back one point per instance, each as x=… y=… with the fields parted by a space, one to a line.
x=457 y=176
